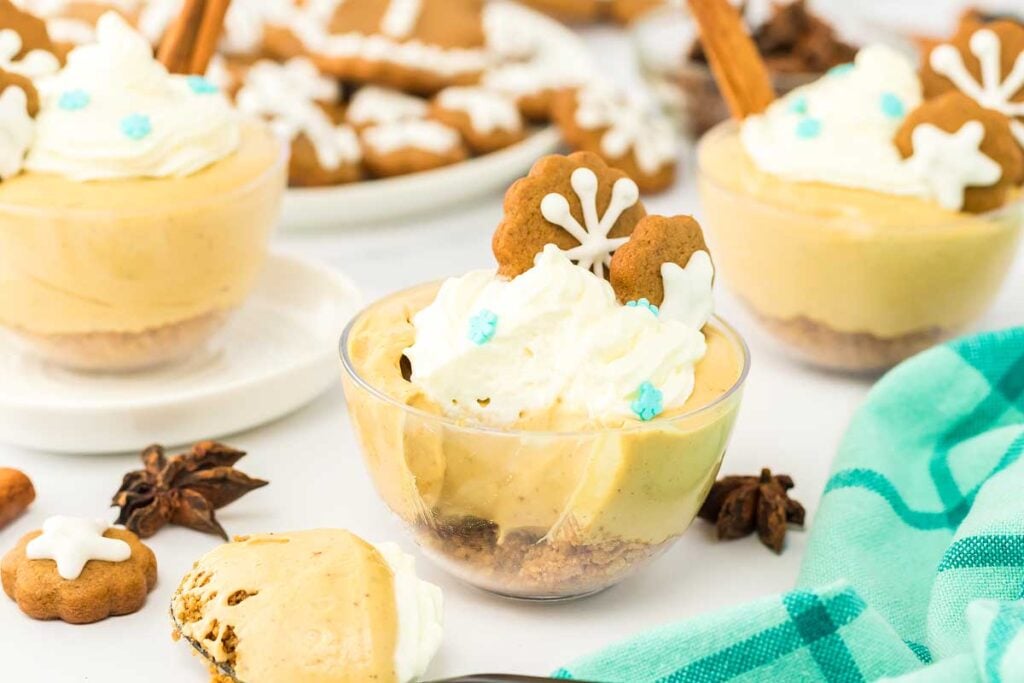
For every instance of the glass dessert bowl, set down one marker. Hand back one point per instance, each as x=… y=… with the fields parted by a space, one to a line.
x=534 y=513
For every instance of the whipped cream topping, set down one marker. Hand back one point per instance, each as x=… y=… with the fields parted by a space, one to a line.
x=17 y=129
x=114 y=112
x=420 y=607
x=555 y=338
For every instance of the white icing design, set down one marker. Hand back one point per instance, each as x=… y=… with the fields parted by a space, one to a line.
x=595 y=248
x=429 y=136
x=488 y=111
x=951 y=162
x=34 y=64
x=630 y=128
x=287 y=95
x=72 y=542
x=70 y=31
x=994 y=91
x=688 y=296
x=373 y=104
x=16 y=131
x=400 y=18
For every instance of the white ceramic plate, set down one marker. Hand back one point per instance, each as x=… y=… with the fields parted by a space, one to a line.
x=320 y=208
x=278 y=352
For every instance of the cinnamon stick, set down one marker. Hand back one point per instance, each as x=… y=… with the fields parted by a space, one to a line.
x=738 y=67
x=209 y=33
x=179 y=41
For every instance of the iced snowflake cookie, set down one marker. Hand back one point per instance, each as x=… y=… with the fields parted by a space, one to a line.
x=415 y=45
x=73 y=22
x=25 y=45
x=486 y=119
x=372 y=105
x=245 y=606
x=985 y=62
x=640 y=142
x=304 y=108
x=410 y=146
x=79 y=571
x=974 y=146
x=578 y=203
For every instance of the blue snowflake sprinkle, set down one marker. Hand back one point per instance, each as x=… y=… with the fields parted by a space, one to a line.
x=201 y=86
x=482 y=327
x=841 y=69
x=643 y=303
x=647 y=405
x=892 y=106
x=798 y=105
x=136 y=126
x=808 y=128
x=73 y=100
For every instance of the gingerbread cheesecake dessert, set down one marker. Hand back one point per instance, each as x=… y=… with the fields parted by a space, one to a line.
x=548 y=426
x=136 y=215
x=875 y=212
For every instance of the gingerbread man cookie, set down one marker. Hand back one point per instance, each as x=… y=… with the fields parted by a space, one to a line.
x=637 y=267
x=304 y=108
x=414 y=45
x=974 y=147
x=79 y=571
x=986 y=63
x=410 y=146
x=640 y=142
x=576 y=202
x=487 y=119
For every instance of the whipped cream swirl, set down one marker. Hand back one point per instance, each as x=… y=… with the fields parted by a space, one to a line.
x=556 y=338
x=115 y=112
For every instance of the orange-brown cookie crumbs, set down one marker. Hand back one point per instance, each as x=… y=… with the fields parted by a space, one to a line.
x=656 y=240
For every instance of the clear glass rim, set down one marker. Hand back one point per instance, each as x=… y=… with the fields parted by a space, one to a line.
x=280 y=161
x=463 y=426
x=730 y=126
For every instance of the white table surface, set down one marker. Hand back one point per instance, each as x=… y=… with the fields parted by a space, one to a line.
x=792 y=419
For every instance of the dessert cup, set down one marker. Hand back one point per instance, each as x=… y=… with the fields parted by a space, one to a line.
x=848 y=279
x=529 y=513
x=121 y=275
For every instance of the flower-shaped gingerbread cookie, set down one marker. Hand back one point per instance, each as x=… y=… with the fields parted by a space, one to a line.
x=967 y=152
x=578 y=203
x=986 y=63
x=79 y=571
x=637 y=267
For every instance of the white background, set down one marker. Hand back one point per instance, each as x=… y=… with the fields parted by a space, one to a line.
x=792 y=419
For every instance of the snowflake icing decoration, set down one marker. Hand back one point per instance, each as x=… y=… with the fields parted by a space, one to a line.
x=991 y=92
x=648 y=403
x=595 y=247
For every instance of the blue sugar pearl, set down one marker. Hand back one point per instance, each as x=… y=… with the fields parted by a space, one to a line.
x=73 y=100
x=808 y=128
x=648 y=402
x=892 y=106
x=136 y=126
x=798 y=105
x=482 y=327
x=643 y=303
x=201 y=86
x=841 y=69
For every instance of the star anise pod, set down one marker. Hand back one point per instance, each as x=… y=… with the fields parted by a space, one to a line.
x=182 y=489
x=740 y=505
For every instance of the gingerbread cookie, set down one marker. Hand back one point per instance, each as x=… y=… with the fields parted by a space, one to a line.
x=25 y=45
x=304 y=108
x=985 y=62
x=18 y=103
x=372 y=105
x=487 y=119
x=577 y=11
x=414 y=45
x=641 y=143
x=576 y=202
x=16 y=494
x=79 y=571
x=636 y=269
x=70 y=23
x=402 y=147
x=973 y=144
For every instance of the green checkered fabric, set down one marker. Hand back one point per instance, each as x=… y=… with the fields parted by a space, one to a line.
x=915 y=565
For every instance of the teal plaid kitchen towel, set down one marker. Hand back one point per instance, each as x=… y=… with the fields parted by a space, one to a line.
x=915 y=564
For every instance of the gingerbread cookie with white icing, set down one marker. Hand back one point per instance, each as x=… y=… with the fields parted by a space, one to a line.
x=638 y=268
x=582 y=11
x=71 y=23
x=956 y=133
x=579 y=203
x=642 y=143
x=487 y=119
x=25 y=45
x=985 y=61
x=410 y=146
x=419 y=46
x=304 y=108
x=79 y=571
x=372 y=105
